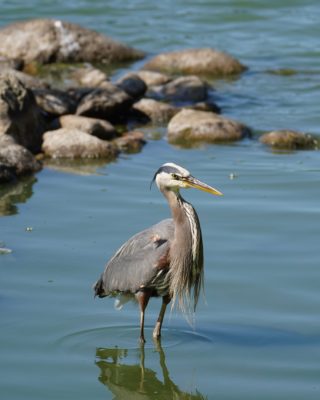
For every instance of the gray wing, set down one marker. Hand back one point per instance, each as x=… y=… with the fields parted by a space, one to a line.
x=135 y=263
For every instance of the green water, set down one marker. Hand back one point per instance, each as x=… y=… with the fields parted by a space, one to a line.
x=257 y=331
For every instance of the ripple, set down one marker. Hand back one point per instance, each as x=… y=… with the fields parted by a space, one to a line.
x=125 y=336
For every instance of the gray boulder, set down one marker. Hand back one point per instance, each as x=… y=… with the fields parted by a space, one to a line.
x=192 y=125
x=154 y=111
x=73 y=143
x=46 y=41
x=9 y=63
x=15 y=160
x=185 y=89
x=20 y=116
x=153 y=78
x=89 y=76
x=289 y=140
x=55 y=102
x=204 y=61
x=133 y=85
x=110 y=103
x=96 y=127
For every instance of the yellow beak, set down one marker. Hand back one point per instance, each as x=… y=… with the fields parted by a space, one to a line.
x=196 y=184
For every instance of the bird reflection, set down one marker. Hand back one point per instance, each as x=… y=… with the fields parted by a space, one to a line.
x=136 y=381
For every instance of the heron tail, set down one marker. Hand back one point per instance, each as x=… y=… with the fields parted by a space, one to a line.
x=99 y=289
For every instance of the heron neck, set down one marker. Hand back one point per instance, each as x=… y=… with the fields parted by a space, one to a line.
x=178 y=212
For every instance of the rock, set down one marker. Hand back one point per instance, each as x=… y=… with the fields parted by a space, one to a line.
x=205 y=106
x=9 y=63
x=205 y=61
x=152 y=78
x=31 y=82
x=15 y=160
x=46 y=41
x=89 y=76
x=133 y=85
x=95 y=127
x=109 y=102
x=185 y=89
x=73 y=143
x=55 y=102
x=289 y=140
x=193 y=125
x=153 y=110
x=130 y=142
x=20 y=116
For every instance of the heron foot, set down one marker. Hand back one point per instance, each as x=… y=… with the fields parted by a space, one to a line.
x=157 y=332
x=142 y=340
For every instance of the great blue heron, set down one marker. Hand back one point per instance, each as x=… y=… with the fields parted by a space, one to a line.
x=164 y=260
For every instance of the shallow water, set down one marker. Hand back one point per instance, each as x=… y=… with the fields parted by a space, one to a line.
x=257 y=332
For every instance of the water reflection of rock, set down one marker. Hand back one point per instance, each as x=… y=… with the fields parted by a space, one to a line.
x=77 y=166
x=12 y=194
x=136 y=381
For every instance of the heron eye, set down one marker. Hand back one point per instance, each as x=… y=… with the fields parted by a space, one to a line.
x=175 y=176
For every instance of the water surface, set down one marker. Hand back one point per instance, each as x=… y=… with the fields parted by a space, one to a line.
x=257 y=331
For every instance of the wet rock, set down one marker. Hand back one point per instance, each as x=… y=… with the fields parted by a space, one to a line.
x=95 y=127
x=15 y=160
x=55 y=102
x=205 y=61
x=185 y=89
x=110 y=103
x=153 y=78
x=289 y=140
x=193 y=125
x=46 y=41
x=89 y=76
x=20 y=116
x=153 y=110
x=133 y=85
x=130 y=142
x=73 y=143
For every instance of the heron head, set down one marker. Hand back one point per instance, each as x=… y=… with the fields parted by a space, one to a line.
x=171 y=176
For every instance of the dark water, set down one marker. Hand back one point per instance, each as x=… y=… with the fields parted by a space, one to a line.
x=257 y=332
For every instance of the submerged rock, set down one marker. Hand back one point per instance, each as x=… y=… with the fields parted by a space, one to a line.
x=153 y=110
x=73 y=143
x=20 y=116
x=15 y=160
x=289 y=140
x=205 y=61
x=109 y=102
x=130 y=142
x=96 y=127
x=185 y=89
x=192 y=125
x=46 y=41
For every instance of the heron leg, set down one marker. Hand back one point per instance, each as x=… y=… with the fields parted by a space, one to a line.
x=157 y=329
x=143 y=299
